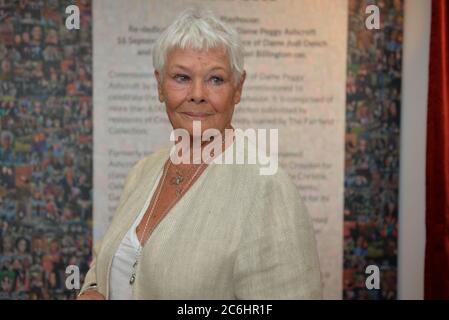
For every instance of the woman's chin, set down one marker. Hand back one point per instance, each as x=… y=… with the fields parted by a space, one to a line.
x=200 y=126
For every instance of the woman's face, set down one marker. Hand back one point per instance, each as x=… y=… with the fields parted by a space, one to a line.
x=199 y=85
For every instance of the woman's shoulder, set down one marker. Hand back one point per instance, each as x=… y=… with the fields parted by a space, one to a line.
x=154 y=156
x=267 y=169
x=278 y=185
x=278 y=181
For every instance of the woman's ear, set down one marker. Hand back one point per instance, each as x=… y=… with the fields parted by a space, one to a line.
x=239 y=89
x=159 y=86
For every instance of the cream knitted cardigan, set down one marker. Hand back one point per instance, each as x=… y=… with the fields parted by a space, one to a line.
x=235 y=234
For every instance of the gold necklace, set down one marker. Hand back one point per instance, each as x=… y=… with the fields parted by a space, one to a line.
x=139 y=250
x=178 y=179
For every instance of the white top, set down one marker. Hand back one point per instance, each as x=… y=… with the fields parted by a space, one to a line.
x=124 y=258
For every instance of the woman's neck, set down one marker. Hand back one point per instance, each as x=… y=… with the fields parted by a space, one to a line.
x=197 y=146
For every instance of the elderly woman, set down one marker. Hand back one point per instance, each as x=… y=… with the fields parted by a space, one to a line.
x=204 y=230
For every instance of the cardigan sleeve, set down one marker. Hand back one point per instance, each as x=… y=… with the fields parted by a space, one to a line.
x=133 y=173
x=277 y=256
x=91 y=277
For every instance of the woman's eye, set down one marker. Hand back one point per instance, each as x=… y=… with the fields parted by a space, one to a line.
x=181 y=78
x=216 y=80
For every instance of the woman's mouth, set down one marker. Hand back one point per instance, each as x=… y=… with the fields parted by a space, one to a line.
x=196 y=115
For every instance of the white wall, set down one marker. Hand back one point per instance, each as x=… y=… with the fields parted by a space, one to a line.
x=413 y=149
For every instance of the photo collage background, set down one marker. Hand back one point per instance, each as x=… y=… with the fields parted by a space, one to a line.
x=46 y=147
x=373 y=105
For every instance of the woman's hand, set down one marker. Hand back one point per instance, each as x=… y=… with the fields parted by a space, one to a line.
x=90 y=295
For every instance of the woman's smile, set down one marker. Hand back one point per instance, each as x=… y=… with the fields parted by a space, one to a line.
x=197 y=115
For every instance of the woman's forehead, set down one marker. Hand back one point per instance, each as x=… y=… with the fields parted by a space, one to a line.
x=187 y=58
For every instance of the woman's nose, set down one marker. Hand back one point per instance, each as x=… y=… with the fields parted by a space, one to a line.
x=198 y=91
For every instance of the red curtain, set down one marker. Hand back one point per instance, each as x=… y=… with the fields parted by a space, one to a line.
x=437 y=167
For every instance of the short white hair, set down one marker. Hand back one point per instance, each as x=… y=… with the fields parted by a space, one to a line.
x=199 y=29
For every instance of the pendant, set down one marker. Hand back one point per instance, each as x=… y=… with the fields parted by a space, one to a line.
x=133 y=276
x=177 y=179
x=132 y=279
